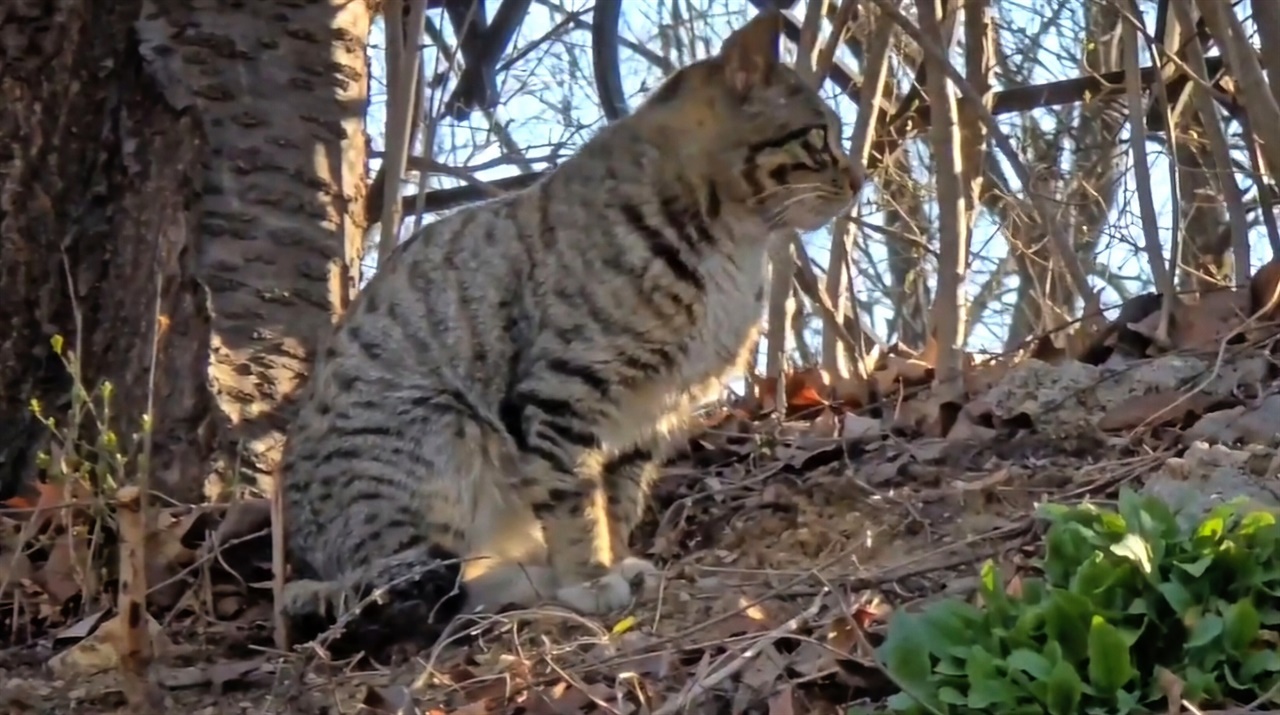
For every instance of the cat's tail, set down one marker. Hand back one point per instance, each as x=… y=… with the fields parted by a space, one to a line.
x=407 y=598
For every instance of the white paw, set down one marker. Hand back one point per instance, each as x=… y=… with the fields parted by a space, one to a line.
x=633 y=567
x=612 y=591
x=305 y=596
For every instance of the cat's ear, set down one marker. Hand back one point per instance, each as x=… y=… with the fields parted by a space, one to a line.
x=751 y=53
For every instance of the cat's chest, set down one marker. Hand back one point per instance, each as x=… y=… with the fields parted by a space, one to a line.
x=733 y=307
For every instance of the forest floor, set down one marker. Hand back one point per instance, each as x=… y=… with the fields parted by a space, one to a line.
x=785 y=547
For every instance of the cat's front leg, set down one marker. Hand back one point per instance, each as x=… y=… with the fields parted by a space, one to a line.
x=627 y=479
x=592 y=576
x=560 y=478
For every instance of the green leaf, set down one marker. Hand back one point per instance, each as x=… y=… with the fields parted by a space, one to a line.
x=986 y=692
x=1110 y=665
x=1164 y=524
x=1065 y=689
x=1028 y=627
x=1065 y=549
x=1112 y=524
x=1053 y=652
x=1150 y=518
x=960 y=652
x=1067 y=623
x=1256 y=521
x=1205 y=630
x=991 y=588
x=1229 y=675
x=1211 y=530
x=1241 y=626
x=904 y=703
x=1053 y=513
x=1126 y=702
x=949 y=665
x=1090 y=577
x=981 y=665
x=905 y=653
x=951 y=696
x=1176 y=595
x=950 y=622
x=1197 y=567
x=1031 y=663
x=1135 y=549
x=1033 y=591
x=1265 y=660
x=1199 y=685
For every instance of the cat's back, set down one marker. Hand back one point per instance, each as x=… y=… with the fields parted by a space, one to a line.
x=444 y=298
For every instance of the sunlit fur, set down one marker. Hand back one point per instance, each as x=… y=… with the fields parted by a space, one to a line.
x=503 y=388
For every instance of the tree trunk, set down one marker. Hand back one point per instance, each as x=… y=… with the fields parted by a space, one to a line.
x=200 y=163
x=1202 y=210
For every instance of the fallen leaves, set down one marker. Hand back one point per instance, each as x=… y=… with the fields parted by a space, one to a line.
x=101 y=651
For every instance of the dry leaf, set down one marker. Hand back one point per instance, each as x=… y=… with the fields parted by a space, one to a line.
x=242 y=519
x=1091 y=330
x=167 y=557
x=898 y=371
x=80 y=629
x=1264 y=291
x=388 y=700
x=852 y=392
x=783 y=702
x=101 y=650
x=1204 y=325
x=984 y=376
x=806 y=390
x=68 y=565
x=15 y=567
x=1157 y=408
x=216 y=675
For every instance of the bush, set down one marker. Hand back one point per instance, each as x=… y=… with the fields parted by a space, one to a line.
x=1133 y=609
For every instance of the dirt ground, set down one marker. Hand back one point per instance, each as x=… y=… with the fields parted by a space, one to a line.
x=780 y=559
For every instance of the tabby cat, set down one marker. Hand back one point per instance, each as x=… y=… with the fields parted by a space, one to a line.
x=483 y=425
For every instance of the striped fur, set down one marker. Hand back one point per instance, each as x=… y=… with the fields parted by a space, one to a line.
x=501 y=391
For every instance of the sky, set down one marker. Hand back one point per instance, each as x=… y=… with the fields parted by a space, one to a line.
x=552 y=100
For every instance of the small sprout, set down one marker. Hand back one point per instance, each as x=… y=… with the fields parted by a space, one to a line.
x=36 y=409
x=56 y=342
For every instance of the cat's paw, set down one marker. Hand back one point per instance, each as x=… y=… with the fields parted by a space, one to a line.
x=310 y=608
x=627 y=579
x=305 y=598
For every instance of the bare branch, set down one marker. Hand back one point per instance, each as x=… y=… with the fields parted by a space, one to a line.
x=1218 y=146
x=953 y=229
x=1061 y=243
x=1261 y=105
x=402 y=65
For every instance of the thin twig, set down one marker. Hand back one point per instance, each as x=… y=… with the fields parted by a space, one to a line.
x=699 y=688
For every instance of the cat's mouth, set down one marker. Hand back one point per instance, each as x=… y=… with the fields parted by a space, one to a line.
x=815 y=212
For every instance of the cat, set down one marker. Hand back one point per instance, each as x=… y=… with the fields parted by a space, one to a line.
x=482 y=427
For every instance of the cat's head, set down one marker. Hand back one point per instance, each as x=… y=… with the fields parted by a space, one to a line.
x=766 y=128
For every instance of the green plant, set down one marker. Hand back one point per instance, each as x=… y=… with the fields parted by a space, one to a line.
x=1128 y=597
x=85 y=463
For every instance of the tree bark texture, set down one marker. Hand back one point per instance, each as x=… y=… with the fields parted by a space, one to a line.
x=201 y=161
